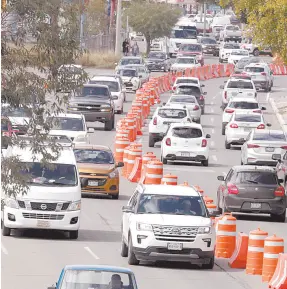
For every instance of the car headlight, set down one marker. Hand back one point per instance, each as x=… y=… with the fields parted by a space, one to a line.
x=204 y=230
x=73 y=108
x=74 y=206
x=114 y=174
x=11 y=203
x=105 y=105
x=144 y=227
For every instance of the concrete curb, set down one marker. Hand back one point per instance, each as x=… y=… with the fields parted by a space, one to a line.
x=278 y=115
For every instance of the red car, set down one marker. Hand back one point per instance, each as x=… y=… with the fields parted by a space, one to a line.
x=186 y=49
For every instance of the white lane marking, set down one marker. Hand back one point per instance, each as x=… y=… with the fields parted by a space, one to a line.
x=190 y=169
x=3 y=249
x=212 y=143
x=92 y=253
x=212 y=110
x=214 y=158
x=212 y=131
x=212 y=119
x=267 y=96
x=212 y=103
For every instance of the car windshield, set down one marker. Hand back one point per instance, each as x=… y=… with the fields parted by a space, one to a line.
x=248 y=118
x=182 y=98
x=128 y=72
x=240 y=84
x=239 y=52
x=254 y=69
x=112 y=85
x=231 y=46
x=208 y=41
x=127 y=61
x=102 y=92
x=243 y=105
x=243 y=62
x=171 y=205
x=185 y=60
x=172 y=113
x=15 y=112
x=184 y=34
x=52 y=175
x=190 y=90
x=67 y=123
x=186 y=132
x=156 y=55
x=91 y=279
x=271 y=136
x=93 y=156
x=260 y=178
x=191 y=47
x=186 y=80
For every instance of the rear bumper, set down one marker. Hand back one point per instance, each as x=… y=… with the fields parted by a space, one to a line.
x=197 y=158
x=260 y=159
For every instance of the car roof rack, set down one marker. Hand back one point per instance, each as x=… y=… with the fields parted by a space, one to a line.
x=62 y=140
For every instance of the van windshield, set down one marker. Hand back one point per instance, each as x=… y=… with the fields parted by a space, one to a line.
x=52 y=175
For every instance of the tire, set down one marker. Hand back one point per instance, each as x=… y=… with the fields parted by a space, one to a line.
x=227 y=145
x=272 y=84
x=73 y=235
x=256 y=52
x=279 y=218
x=205 y=163
x=217 y=205
x=202 y=110
x=151 y=142
x=210 y=265
x=132 y=260
x=220 y=60
x=124 y=248
x=115 y=196
x=163 y=160
x=241 y=163
x=109 y=125
x=6 y=231
x=223 y=129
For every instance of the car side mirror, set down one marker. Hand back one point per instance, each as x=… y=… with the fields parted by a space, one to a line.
x=202 y=85
x=221 y=178
x=205 y=93
x=268 y=124
x=280 y=181
x=91 y=130
x=208 y=136
x=84 y=182
x=221 y=87
x=263 y=108
x=127 y=209
x=120 y=164
x=276 y=157
x=214 y=213
x=114 y=97
x=164 y=103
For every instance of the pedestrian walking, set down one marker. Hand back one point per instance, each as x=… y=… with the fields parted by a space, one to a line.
x=135 y=49
x=126 y=47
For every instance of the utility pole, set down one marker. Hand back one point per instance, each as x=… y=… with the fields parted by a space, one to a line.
x=82 y=3
x=127 y=29
x=118 y=28
x=204 y=19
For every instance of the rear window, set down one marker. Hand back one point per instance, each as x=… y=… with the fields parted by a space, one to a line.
x=191 y=90
x=172 y=113
x=248 y=118
x=243 y=105
x=186 y=132
x=231 y=46
x=269 y=136
x=254 y=69
x=191 y=47
x=208 y=41
x=187 y=81
x=240 y=84
x=186 y=99
x=260 y=178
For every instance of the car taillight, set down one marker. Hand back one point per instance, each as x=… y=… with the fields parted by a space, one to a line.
x=279 y=192
x=234 y=125
x=257 y=111
x=5 y=133
x=201 y=97
x=232 y=189
x=168 y=142
x=263 y=73
x=155 y=121
x=227 y=110
x=174 y=88
x=204 y=143
x=284 y=147
x=196 y=107
x=225 y=94
x=252 y=146
x=261 y=126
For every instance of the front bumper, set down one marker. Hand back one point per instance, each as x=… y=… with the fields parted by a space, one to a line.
x=131 y=86
x=261 y=83
x=94 y=115
x=156 y=66
x=108 y=186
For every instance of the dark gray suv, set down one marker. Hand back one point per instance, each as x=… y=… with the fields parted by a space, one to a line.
x=252 y=189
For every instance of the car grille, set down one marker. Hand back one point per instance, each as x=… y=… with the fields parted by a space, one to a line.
x=88 y=107
x=128 y=84
x=93 y=189
x=95 y=174
x=38 y=206
x=42 y=216
x=175 y=233
x=101 y=182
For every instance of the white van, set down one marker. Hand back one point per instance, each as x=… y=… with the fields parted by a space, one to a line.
x=53 y=199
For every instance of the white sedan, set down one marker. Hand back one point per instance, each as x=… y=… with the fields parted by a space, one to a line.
x=239 y=127
x=236 y=55
x=130 y=78
x=184 y=62
x=185 y=142
x=185 y=80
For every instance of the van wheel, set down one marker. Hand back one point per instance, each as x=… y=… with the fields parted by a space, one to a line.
x=132 y=260
x=73 y=235
x=227 y=145
x=223 y=129
x=109 y=125
x=210 y=265
x=205 y=163
x=256 y=52
x=124 y=248
x=6 y=231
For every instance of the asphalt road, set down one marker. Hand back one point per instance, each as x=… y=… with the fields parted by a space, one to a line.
x=33 y=259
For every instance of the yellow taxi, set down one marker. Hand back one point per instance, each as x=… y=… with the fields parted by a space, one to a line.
x=98 y=171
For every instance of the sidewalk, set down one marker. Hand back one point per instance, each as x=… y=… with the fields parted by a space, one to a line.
x=280 y=108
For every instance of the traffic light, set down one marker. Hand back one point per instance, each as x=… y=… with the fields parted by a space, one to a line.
x=3 y=4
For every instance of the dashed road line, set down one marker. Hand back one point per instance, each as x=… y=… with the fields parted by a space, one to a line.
x=212 y=119
x=92 y=253
x=267 y=96
x=214 y=158
x=3 y=249
x=212 y=143
x=212 y=131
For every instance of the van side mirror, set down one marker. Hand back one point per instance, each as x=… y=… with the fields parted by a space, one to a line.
x=127 y=209
x=120 y=164
x=208 y=136
x=263 y=108
x=280 y=181
x=221 y=178
x=214 y=213
x=276 y=157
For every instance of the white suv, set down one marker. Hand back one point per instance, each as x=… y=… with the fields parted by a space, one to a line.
x=161 y=223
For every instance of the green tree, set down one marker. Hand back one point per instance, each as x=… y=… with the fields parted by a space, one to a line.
x=154 y=20
x=31 y=76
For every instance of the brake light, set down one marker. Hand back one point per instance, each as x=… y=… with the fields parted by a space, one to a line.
x=225 y=94
x=5 y=133
x=204 y=143
x=168 y=142
x=263 y=73
x=227 y=110
x=284 y=147
x=155 y=121
x=234 y=125
x=261 y=126
x=279 y=192
x=201 y=97
x=252 y=146
x=257 y=111
x=174 y=88
x=232 y=189
x=196 y=107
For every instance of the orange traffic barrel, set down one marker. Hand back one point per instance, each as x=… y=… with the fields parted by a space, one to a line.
x=273 y=246
x=122 y=132
x=198 y=188
x=225 y=237
x=185 y=184
x=255 y=252
x=154 y=172
x=132 y=155
x=207 y=200
x=131 y=124
x=169 y=180
x=120 y=145
x=239 y=257
x=125 y=160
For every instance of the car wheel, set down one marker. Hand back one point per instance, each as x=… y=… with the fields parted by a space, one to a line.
x=6 y=231
x=227 y=145
x=218 y=205
x=73 y=235
x=272 y=84
x=132 y=260
x=210 y=265
x=220 y=60
x=109 y=125
x=205 y=163
x=279 y=218
x=115 y=196
x=163 y=160
x=256 y=52
x=150 y=142
x=266 y=88
x=223 y=129
x=202 y=110
x=124 y=248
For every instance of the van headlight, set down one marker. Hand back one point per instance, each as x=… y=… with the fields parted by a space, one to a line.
x=144 y=227
x=74 y=206
x=204 y=230
x=114 y=174
x=11 y=203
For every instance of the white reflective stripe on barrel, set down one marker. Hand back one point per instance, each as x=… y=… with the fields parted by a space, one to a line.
x=223 y=233
x=273 y=244
x=119 y=150
x=169 y=180
x=154 y=166
x=271 y=256
x=135 y=153
x=130 y=161
x=122 y=142
x=255 y=249
x=226 y=222
x=153 y=176
x=257 y=237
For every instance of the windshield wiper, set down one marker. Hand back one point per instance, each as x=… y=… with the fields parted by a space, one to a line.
x=252 y=182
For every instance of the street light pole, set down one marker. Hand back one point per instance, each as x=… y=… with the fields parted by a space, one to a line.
x=118 y=28
x=204 y=19
x=82 y=24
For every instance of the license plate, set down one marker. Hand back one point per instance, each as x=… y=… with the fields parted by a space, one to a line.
x=174 y=246
x=93 y=183
x=255 y=205
x=269 y=149
x=43 y=224
x=185 y=154
x=247 y=129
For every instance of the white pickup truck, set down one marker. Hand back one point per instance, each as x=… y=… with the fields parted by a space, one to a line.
x=231 y=33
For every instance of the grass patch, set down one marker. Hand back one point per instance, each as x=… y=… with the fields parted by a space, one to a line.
x=98 y=59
